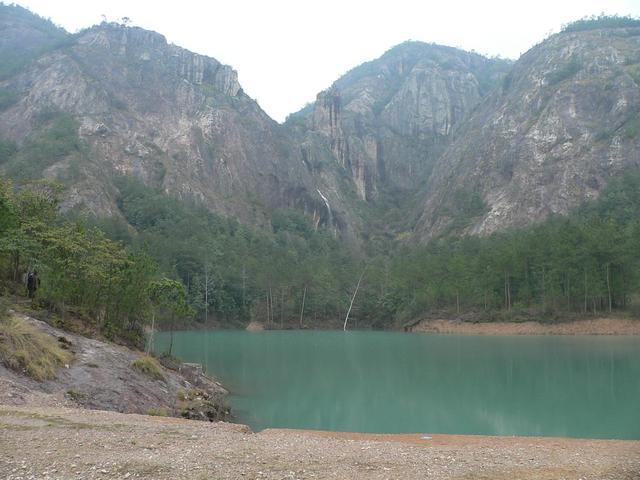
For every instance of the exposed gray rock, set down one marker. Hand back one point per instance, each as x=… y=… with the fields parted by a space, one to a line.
x=386 y=121
x=564 y=121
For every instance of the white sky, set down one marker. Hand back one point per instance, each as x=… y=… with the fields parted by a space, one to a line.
x=286 y=51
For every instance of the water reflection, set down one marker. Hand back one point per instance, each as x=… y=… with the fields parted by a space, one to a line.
x=392 y=382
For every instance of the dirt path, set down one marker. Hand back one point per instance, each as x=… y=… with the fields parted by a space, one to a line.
x=596 y=326
x=62 y=443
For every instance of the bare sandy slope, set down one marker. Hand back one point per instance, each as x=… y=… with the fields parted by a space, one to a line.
x=596 y=326
x=63 y=443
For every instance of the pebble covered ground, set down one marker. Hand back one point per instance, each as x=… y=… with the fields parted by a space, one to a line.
x=67 y=443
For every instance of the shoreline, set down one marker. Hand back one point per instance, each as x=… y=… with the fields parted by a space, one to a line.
x=426 y=439
x=595 y=326
x=116 y=445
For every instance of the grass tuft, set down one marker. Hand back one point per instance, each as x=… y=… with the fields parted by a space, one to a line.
x=26 y=350
x=148 y=366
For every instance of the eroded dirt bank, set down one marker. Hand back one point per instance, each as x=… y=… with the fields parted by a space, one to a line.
x=63 y=443
x=101 y=376
x=596 y=326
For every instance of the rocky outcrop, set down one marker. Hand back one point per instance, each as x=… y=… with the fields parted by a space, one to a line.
x=564 y=121
x=386 y=121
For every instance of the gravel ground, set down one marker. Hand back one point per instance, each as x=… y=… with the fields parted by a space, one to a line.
x=65 y=443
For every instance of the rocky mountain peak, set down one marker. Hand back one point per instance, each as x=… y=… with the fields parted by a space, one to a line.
x=564 y=121
x=386 y=121
x=138 y=47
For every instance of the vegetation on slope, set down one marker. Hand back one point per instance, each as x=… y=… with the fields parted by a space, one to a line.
x=79 y=268
x=601 y=21
x=585 y=263
x=17 y=51
x=25 y=349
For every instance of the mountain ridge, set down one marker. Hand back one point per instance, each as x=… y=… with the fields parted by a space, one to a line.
x=391 y=148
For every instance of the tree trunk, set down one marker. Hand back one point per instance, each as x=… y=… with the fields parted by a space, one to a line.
x=206 y=295
x=585 y=291
x=281 y=307
x=346 y=319
x=171 y=334
x=458 y=302
x=609 y=285
x=544 y=291
x=153 y=326
x=304 y=297
x=244 y=285
x=266 y=296
x=16 y=265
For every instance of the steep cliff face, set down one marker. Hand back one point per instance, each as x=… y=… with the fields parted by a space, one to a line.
x=483 y=144
x=564 y=121
x=387 y=121
x=174 y=119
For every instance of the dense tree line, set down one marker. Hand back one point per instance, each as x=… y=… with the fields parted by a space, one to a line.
x=234 y=273
x=586 y=262
x=81 y=271
x=601 y=21
x=292 y=276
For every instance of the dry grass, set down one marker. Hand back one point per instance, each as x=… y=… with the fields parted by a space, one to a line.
x=26 y=350
x=149 y=366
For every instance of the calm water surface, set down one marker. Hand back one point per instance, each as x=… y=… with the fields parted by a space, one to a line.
x=395 y=382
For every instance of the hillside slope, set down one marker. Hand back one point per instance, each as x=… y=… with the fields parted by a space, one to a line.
x=564 y=121
x=116 y=100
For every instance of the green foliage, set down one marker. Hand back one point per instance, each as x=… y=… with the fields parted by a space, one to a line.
x=586 y=262
x=158 y=412
x=601 y=21
x=36 y=37
x=149 y=366
x=54 y=139
x=27 y=350
x=77 y=265
x=7 y=150
x=631 y=127
x=233 y=273
x=7 y=98
x=565 y=71
x=290 y=220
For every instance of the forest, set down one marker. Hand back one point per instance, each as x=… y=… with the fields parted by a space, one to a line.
x=187 y=267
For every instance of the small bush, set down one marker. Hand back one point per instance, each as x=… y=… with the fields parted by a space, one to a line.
x=76 y=395
x=157 y=412
x=148 y=366
x=24 y=349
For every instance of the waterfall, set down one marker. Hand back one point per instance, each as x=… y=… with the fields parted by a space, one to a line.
x=326 y=202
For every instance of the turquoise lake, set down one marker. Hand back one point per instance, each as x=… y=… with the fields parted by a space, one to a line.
x=390 y=382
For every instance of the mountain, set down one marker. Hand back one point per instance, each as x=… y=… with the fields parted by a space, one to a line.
x=423 y=141
x=114 y=100
x=386 y=121
x=563 y=122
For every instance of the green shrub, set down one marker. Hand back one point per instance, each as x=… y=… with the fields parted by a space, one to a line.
x=565 y=71
x=158 y=412
x=148 y=366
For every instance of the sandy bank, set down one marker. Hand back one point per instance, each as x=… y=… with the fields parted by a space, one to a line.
x=62 y=443
x=596 y=326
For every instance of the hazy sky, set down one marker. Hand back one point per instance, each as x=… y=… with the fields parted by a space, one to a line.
x=286 y=51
